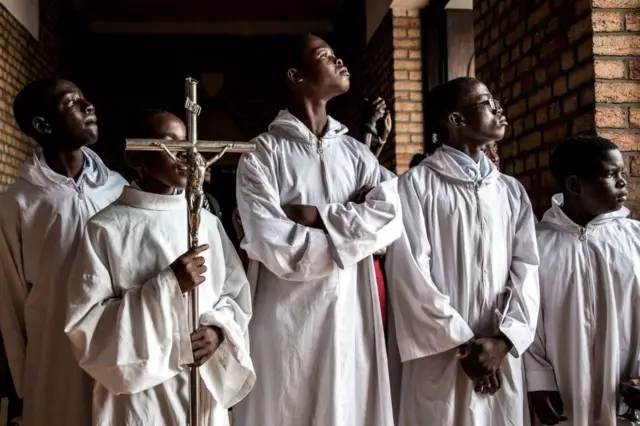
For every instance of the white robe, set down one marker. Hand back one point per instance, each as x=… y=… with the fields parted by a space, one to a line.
x=465 y=266
x=127 y=318
x=42 y=217
x=317 y=339
x=588 y=337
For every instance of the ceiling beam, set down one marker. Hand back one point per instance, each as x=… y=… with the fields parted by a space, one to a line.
x=213 y=28
x=409 y=4
x=460 y=4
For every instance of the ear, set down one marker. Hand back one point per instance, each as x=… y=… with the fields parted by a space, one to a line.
x=294 y=76
x=456 y=119
x=573 y=186
x=41 y=125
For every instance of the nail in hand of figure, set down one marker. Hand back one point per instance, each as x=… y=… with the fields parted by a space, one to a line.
x=189 y=268
x=204 y=343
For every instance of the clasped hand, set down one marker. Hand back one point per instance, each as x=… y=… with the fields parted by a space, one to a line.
x=481 y=359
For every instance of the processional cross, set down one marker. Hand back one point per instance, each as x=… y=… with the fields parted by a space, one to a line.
x=196 y=168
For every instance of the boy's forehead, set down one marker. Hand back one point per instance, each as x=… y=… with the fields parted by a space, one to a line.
x=61 y=88
x=478 y=92
x=612 y=158
x=313 y=44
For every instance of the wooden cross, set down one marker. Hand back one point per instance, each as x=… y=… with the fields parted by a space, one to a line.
x=196 y=168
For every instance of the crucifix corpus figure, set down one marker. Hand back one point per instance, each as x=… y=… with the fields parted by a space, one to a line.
x=187 y=153
x=196 y=168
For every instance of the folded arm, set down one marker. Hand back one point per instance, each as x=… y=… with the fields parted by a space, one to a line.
x=360 y=230
x=289 y=250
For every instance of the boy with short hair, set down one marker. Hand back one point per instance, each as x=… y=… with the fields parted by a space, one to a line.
x=587 y=341
x=42 y=218
x=127 y=317
x=312 y=223
x=463 y=277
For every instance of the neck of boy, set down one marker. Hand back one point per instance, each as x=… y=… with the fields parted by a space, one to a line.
x=312 y=113
x=472 y=150
x=65 y=163
x=148 y=184
x=578 y=215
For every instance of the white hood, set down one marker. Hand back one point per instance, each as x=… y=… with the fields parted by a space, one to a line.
x=38 y=174
x=445 y=165
x=557 y=218
x=288 y=126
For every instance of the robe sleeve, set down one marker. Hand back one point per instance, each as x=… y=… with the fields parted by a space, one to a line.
x=13 y=295
x=127 y=342
x=360 y=230
x=518 y=314
x=229 y=373
x=385 y=175
x=291 y=251
x=426 y=323
x=539 y=371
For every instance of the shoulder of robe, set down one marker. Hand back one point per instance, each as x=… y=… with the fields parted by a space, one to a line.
x=116 y=179
x=358 y=148
x=417 y=175
x=11 y=202
x=267 y=143
x=109 y=217
x=513 y=185
x=632 y=225
x=21 y=197
x=266 y=146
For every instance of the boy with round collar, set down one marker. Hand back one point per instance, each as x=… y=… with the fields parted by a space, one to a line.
x=586 y=348
x=127 y=318
x=463 y=277
x=41 y=221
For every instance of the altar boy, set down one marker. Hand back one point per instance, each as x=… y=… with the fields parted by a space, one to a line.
x=127 y=317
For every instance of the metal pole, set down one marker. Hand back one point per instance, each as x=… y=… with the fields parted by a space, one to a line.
x=192 y=117
x=194 y=381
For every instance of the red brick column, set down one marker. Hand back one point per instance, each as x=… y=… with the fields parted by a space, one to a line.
x=616 y=48
x=393 y=70
x=407 y=85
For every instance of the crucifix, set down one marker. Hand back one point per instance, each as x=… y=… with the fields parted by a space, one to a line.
x=196 y=167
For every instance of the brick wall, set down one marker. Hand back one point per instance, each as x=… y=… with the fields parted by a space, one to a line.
x=378 y=78
x=393 y=71
x=616 y=46
x=23 y=59
x=407 y=68
x=536 y=58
